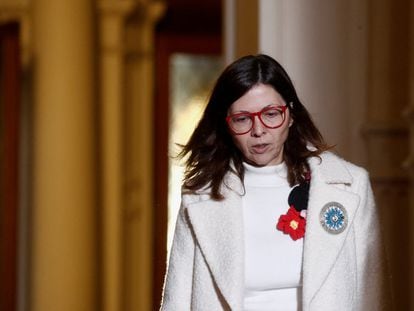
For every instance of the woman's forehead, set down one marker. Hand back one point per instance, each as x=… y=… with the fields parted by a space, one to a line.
x=257 y=98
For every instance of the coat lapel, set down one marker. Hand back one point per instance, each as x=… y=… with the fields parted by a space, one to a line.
x=321 y=248
x=218 y=227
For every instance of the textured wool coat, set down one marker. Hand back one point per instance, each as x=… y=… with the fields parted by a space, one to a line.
x=340 y=271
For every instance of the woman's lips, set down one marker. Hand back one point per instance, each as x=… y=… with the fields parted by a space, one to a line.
x=260 y=148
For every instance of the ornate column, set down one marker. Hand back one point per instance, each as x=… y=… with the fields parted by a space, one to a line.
x=112 y=16
x=139 y=206
x=126 y=49
x=64 y=259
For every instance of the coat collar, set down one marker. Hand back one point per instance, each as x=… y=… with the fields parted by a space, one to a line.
x=330 y=168
x=218 y=227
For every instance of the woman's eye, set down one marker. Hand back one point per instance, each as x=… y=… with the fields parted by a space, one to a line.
x=241 y=119
x=273 y=113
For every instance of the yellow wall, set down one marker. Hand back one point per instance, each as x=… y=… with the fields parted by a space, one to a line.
x=89 y=64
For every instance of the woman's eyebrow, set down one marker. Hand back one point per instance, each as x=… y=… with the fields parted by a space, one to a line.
x=267 y=106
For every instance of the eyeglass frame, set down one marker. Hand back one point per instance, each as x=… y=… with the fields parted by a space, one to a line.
x=252 y=115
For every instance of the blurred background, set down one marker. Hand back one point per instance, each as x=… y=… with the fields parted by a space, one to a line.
x=95 y=95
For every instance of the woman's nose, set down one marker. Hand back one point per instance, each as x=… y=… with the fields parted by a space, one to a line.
x=258 y=128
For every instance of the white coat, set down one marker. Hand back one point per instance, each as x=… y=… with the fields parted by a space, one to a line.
x=340 y=271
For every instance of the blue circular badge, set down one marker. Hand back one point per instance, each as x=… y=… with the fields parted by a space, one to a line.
x=333 y=217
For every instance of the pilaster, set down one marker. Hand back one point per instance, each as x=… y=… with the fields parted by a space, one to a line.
x=112 y=15
x=138 y=167
x=64 y=261
x=126 y=65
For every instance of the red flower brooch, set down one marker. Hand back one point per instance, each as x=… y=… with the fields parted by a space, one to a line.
x=294 y=221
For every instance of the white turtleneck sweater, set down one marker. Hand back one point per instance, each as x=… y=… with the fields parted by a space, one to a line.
x=273 y=261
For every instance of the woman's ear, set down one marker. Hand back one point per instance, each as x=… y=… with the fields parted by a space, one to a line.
x=290 y=122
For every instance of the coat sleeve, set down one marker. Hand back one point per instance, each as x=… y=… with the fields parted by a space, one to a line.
x=178 y=280
x=373 y=279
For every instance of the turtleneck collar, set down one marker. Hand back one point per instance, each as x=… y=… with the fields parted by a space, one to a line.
x=274 y=175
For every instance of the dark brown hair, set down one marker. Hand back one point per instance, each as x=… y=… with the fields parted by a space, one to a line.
x=211 y=150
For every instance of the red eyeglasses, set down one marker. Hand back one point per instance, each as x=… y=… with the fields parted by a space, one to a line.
x=242 y=123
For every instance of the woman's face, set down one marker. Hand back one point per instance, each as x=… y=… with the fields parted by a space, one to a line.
x=261 y=146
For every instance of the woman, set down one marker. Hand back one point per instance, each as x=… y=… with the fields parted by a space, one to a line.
x=270 y=220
